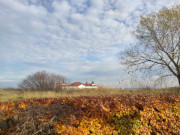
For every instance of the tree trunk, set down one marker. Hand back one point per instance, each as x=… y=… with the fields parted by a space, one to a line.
x=179 y=83
x=179 y=80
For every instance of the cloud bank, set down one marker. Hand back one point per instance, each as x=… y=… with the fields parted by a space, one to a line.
x=79 y=39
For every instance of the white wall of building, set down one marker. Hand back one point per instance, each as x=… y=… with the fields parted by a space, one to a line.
x=90 y=87
x=81 y=86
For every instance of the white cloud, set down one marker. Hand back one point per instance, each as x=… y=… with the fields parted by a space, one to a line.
x=75 y=31
x=6 y=80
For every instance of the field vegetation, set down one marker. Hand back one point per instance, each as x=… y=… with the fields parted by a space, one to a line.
x=89 y=111
x=124 y=114
x=17 y=94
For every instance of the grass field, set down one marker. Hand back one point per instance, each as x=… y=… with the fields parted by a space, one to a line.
x=9 y=94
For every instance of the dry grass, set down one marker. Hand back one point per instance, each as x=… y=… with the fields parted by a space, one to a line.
x=7 y=95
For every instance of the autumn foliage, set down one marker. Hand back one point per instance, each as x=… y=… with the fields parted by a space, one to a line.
x=98 y=115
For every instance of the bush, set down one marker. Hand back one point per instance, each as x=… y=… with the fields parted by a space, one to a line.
x=42 y=81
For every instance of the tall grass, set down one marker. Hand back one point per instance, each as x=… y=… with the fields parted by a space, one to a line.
x=9 y=94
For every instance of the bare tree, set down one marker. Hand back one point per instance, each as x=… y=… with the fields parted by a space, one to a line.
x=158 y=44
x=41 y=81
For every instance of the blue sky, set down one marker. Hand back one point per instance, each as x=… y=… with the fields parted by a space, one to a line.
x=79 y=39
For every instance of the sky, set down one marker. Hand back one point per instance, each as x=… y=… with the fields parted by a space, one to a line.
x=78 y=39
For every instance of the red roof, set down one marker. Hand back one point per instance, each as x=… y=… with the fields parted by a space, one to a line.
x=76 y=84
x=87 y=84
x=79 y=83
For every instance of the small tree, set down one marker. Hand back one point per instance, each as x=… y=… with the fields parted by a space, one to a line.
x=158 y=44
x=41 y=81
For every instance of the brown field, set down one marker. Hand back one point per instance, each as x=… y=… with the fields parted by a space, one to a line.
x=120 y=114
x=10 y=94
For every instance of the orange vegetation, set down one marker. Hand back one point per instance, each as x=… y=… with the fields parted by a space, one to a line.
x=117 y=114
